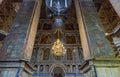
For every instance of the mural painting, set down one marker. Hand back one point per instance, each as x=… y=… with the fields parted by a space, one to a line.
x=69 y=26
x=69 y=54
x=47 y=26
x=70 y=39
x=46 y=39
x=46 y=54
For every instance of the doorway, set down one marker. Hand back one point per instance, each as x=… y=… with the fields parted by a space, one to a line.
x=58 y=72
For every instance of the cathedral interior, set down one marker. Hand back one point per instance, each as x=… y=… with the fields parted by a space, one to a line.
x=59 y=38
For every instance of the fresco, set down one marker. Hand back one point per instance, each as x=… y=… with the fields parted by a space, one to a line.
x=13 y=47
x=70 y=39
x=47 y=26
x=16 y=40
x=46 y=39
x=69 y=26
x=46 y=54
x=69 y=54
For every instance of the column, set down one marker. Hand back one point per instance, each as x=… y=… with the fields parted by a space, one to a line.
x=82 y=30
x=19 y=42
x=38 y=70
x=91 y=31
x=98 y=46
x=17 y=50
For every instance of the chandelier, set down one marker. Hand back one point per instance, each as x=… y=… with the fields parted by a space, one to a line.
x=58 y=5
x=58 y=47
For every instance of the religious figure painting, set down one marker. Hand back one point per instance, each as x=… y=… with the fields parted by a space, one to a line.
x=69 y=26
x=47 y=26
x=46 y=54
x=46 y=39
x=40 y=54
x=40 y=25
x=70 y=39
x=69 y=54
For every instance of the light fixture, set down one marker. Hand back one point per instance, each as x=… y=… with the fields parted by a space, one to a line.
x=58 y=5
x=58 y=48
x=58 y=21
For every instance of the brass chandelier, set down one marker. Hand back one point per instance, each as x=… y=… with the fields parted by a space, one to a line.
x=58 y=47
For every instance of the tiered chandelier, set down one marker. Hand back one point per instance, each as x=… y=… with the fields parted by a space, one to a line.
x=58 y=48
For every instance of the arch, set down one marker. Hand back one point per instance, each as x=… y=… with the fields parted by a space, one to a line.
x=58 y=65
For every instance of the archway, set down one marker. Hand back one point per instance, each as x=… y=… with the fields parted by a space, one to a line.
x=58 y=72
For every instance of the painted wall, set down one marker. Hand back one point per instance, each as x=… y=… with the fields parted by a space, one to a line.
x=8 y=72
x=15 y=43
x=1 y=1
x=116 y=5
x=108 y=71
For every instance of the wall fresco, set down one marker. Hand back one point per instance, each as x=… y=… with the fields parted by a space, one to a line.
x=69 y=54
x=46 y=39
x=70 y=39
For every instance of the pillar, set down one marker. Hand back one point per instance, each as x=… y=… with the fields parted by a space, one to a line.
x=97 y=46
x=83 y=34
x=17 y=50
x=91 y=29
x=19 y=42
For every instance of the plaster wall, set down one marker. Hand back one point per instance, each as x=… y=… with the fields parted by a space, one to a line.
x=108 y=71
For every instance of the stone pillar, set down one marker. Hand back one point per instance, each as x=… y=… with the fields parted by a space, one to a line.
x=19 y=43
x=17 y=50
x=83 y=34
x=97 y=45
x=38 y=69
